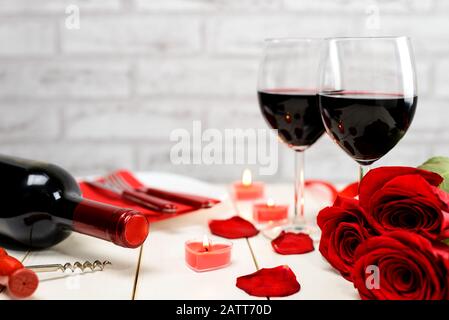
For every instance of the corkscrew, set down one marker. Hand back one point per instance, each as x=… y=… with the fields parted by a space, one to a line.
x=87 y=265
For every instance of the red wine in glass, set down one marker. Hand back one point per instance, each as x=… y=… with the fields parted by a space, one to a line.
x=287 y=88
x=294 y=113
x=366 y=125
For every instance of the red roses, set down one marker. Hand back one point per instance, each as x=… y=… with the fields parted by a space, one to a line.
x=410 y=267
x=343 y=228
x=396 y=226
x=405 y=198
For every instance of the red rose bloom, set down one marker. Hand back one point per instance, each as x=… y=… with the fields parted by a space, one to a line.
x=343 y=228
x=409 y=267
x=398 y=198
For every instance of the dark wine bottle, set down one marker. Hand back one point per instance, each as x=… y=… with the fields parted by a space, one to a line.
x=40 y=204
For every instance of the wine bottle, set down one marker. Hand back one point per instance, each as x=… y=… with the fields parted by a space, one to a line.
x=40 y=204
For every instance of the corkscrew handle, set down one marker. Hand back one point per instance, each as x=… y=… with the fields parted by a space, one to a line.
x=45 y=268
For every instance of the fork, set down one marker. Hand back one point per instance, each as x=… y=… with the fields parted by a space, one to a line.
x=121 y=185
x=187 y=199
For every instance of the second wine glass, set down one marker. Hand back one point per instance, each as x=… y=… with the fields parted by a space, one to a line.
x=287 y=88
x=368 y=94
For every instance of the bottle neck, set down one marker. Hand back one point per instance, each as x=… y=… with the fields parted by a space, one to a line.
x=124 y=227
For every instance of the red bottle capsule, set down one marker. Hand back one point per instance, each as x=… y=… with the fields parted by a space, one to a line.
x=21 y=282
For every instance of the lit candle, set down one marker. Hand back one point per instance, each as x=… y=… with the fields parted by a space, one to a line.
x=247 y=189
x=270 y=212
x=206 y=255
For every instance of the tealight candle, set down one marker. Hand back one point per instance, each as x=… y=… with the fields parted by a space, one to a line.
x=207 y=255
x=247 y=189
x=269 y=212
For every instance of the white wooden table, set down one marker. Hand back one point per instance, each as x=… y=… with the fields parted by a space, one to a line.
x=157 y=270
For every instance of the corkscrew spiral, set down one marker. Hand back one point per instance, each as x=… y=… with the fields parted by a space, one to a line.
x=96 y=265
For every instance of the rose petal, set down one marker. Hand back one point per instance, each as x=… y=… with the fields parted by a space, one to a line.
x=443 y=196
x=292 y=243
x=3 y=252
x=274 y=282
x=233 y=228
x=347 y=204
x=376 y=178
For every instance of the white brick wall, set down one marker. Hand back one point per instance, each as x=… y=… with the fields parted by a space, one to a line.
x=129 y=35
x=109 y=94
x=57 y=6
x=20 y=37
x=199 y=77
x=64 y=79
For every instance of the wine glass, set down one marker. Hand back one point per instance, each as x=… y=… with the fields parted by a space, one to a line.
x=368 y=94
x=287 y=89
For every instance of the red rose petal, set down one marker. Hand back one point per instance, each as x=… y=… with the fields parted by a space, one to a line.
x=8 y=265
x=274 y=282
x=292 y=243
x=233 y=228
x=376 y=178
x=443 y=196
x=348 y=204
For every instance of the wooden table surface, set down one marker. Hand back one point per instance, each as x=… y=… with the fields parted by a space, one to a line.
x=157 y=270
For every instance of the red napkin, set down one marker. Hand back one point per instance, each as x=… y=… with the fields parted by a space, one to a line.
x=233 y=228
x=96 y=194
x=322 y=188
x=292 y=243
x=275 y=282
x=326 y=190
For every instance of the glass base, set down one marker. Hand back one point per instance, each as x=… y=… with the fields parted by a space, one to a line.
x=272 y=232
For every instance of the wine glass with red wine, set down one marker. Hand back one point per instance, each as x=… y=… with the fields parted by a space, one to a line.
x=287 y=92
x=368 y=94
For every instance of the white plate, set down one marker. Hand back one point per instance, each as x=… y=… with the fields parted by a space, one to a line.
x=178 y=183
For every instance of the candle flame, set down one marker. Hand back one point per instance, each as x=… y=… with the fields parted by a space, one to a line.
x=270 y=202
x=206 y=243
x=247 y=178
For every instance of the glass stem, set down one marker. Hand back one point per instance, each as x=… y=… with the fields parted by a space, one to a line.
x=362 y=172
x=299 y=187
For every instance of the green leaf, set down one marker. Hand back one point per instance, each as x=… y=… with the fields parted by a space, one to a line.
x=436 y=160
x=446 y=241
x=438 y=165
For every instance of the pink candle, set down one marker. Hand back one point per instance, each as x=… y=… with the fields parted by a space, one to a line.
x=247 y=189
x=269 y=212
x=205 y=256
